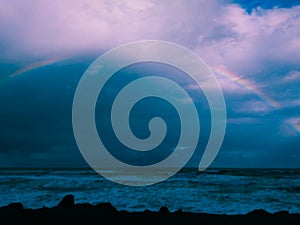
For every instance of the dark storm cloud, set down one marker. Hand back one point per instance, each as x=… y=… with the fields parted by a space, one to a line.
x=258 y=48
x=35 y=114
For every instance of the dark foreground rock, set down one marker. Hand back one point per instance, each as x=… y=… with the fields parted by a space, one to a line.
x=67 y=212
x=67 y=201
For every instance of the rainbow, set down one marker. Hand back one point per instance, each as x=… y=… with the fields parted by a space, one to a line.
x=35 y=66
x=246 y=84
x=218 y=70
x=295 y=123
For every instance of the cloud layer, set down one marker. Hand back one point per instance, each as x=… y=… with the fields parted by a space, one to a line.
x=221 y=33
x=254 y=46
x=255 y=55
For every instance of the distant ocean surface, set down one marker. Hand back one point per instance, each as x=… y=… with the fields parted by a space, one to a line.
x=230 y=191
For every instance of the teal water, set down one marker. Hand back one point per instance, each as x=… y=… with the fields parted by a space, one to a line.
x=228 y=191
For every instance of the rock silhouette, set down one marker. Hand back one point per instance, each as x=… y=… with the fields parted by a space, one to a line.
x=105 y=213
x=67 y=201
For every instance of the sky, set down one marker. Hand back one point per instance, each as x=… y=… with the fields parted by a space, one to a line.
x=252 y=48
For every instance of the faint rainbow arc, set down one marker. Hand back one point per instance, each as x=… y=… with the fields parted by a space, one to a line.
x=34 y=66
x=218 y=70
x=245 y=84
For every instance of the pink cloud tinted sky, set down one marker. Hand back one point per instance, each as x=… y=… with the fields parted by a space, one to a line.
x=224 y=35
x=254 y=54
x=221 y=34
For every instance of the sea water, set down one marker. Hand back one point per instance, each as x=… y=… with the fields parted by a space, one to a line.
x=230 y=191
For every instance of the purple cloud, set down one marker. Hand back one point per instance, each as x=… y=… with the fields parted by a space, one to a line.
x=224 y=35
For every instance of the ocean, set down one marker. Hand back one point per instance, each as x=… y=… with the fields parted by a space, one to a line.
x=230 y=191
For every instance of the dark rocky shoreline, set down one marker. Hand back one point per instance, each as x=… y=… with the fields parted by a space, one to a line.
x=105 y=213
